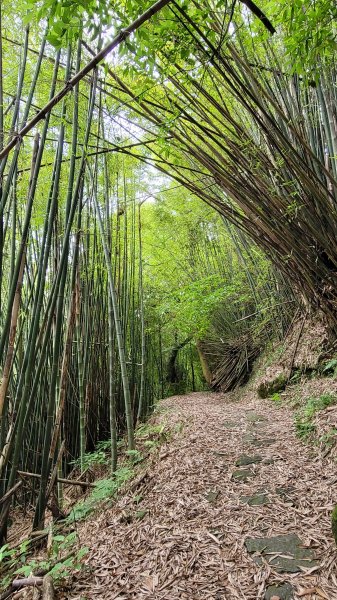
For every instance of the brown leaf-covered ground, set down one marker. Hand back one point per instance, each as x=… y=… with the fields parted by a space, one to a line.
x=181 y=533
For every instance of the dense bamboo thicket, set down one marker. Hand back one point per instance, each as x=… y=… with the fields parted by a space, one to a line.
x=256 y=143
x=73 y=343
x=107 y=303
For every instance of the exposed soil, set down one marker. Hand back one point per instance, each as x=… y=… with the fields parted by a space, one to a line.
x=191 y=520
x=305 y=347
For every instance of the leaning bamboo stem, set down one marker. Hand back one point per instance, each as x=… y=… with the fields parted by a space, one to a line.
x=16 y=304
x=123 y=35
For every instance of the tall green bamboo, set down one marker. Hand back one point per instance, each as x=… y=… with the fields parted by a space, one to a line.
x=119 y=333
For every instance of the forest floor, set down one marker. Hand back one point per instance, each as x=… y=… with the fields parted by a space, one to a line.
x=202 y=524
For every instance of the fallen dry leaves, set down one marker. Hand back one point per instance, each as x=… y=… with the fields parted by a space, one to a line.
x=188 y=547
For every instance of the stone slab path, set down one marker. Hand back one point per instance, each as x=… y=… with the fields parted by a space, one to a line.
x=233 y=507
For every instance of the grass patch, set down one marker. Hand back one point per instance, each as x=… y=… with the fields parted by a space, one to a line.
x=304 y=417
x=104 y=490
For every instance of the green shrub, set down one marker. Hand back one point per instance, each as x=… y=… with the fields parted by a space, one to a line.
x=15 y=561
x=104 y=490
x=99 y=457
x=304 y=417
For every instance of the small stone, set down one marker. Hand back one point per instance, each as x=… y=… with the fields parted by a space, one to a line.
x=261 y=443
x=283 y=592
x=285 y=553
x=286 y=493
x=252 y=417
x=245 y=460
x=212 y=496
x=268 y=461
x=242 y=474
x=258 y=425
x=257 y=500
x=229 y=424
x=249 y=437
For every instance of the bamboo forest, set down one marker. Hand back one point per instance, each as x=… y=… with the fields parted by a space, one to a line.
x=168 y=299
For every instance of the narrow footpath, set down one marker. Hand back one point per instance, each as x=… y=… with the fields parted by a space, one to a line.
x=234 y=507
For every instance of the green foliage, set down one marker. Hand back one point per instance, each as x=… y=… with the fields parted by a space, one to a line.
x=152 y=436
x=149 y=430
x=6 y=552
x=55 y=565
x=205 y=272
x=104 y=490
x=135 y=456
x=271 y=388
x=147 y=434
x=98 y=457
x=66 y=19
x=304 y=417
x=295 y=376
x=328 y=439
x=307 y=31
x=330 y=366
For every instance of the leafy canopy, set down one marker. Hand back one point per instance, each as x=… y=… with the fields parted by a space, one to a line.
x=306 y=31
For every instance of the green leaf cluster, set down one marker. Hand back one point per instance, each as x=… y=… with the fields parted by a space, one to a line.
x=55 y=566
x=304 y=424
x=104 y=490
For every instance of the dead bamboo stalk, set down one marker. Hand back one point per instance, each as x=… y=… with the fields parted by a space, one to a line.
x=26 y=581
x=296 y=346
x=48 y=592
x=59 y=479
x=53 y=477
x=10 y=492
x=18 y=584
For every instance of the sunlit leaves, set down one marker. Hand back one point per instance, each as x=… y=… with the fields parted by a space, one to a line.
x=66 y=19
x=308 y=32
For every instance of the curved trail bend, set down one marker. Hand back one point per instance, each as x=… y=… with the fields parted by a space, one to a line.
x=197 y=514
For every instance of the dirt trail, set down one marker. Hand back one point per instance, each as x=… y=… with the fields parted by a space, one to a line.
x=191 y=543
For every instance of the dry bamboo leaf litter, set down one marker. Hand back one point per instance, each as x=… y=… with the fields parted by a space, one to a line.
x=188 y=547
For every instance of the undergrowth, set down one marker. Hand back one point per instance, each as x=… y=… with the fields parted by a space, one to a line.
x=304 y=417
x=149 y=437
x=91 y=459
x=104 y=490
x=16 y=562
x=64 y=556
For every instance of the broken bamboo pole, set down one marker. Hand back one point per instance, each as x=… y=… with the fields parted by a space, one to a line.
x=59 y=479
